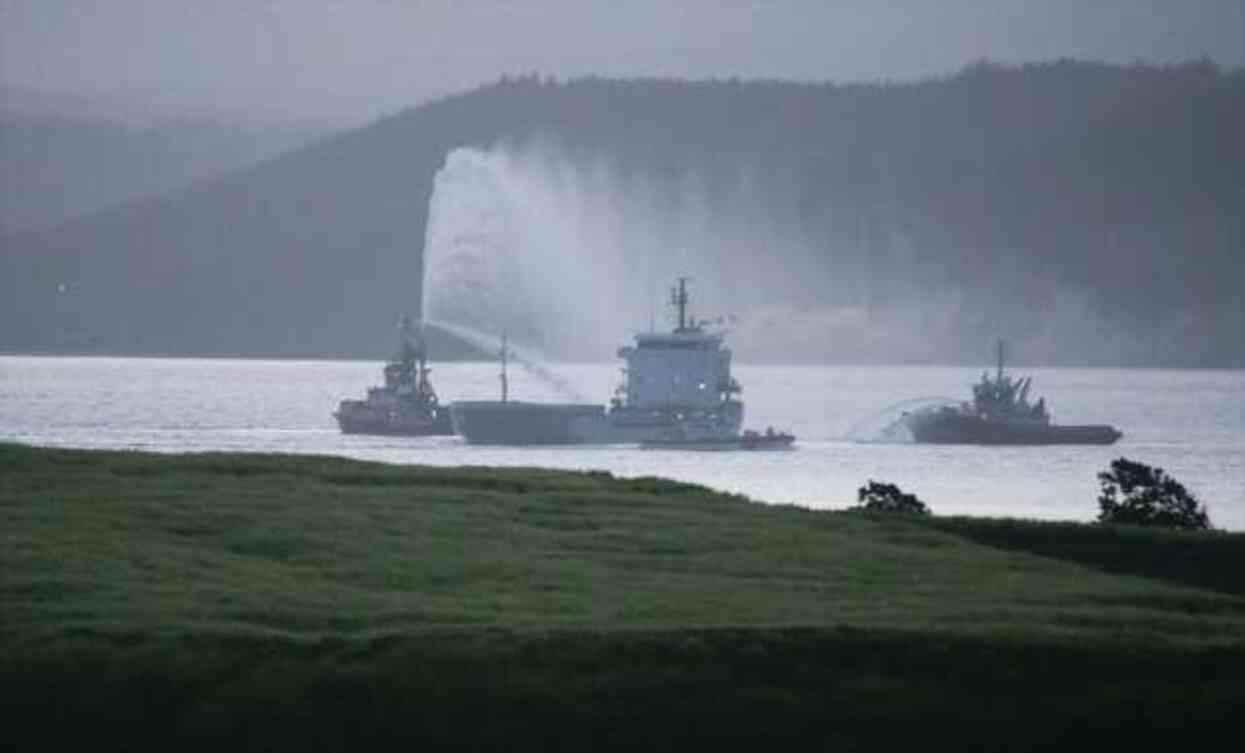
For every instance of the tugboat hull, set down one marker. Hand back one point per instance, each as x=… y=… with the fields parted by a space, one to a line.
x=361 y=418
x=950 y=427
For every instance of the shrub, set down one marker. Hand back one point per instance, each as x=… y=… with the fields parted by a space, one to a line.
x=889 y=498
x=1135 y=493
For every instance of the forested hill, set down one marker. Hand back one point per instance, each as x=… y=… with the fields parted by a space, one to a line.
x=1090 y=213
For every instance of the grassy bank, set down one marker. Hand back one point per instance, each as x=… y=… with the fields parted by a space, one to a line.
x=301 y=602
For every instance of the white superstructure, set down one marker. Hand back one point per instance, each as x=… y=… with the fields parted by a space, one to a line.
x=685 y=369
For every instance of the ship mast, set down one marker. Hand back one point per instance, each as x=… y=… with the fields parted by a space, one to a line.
x=999 y=350
x=678 y=299
x=423 y=386
x=406 y=336
x=406 y=361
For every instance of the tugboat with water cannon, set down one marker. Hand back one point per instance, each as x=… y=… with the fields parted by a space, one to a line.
x=406 y=404
x=678 y=385
x=1000 y=414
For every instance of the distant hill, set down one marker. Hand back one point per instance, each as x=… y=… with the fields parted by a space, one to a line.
x=1090 y=213
x=55 y=167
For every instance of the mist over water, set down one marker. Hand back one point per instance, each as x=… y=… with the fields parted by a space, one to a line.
x=571 y=250
x=519 y=245
x=571 y=255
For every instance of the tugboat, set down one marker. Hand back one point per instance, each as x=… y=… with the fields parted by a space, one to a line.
x=676 y=382
x=1000 y=414
x=406 y=404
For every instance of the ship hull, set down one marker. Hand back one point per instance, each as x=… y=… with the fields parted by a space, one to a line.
x=953 y=428
x=522 y=423
x=728 y=444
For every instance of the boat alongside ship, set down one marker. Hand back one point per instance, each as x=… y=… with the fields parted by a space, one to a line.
x=406 y=404
x=678 y=385
x=1001 y=414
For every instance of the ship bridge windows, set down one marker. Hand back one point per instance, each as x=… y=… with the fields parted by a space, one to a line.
x=679 y=345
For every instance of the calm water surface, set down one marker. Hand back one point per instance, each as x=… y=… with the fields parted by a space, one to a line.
x=1192 y=423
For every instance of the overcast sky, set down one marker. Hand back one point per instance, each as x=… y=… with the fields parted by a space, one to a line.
x=346 y=62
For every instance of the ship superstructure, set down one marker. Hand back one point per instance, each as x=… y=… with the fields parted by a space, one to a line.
x=1006 y=399
x=677 y=383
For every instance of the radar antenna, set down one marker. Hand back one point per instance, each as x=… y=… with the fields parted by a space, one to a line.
x=678 y=299
x=423 y=386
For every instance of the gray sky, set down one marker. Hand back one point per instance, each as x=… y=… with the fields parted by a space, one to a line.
x=349 y=61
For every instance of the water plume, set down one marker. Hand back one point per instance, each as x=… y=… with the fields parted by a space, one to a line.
x=531 y=362
x=570 y=254
x=887 y=426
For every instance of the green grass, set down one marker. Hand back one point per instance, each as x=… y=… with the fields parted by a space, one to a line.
x=244 y=599
x=1209 y=560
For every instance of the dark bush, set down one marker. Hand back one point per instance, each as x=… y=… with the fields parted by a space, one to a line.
x=1137 y=494
x=889 y=498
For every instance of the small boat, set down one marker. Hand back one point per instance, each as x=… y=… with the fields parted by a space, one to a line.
x=749 y=440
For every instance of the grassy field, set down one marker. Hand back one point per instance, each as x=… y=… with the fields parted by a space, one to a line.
x=276 y=602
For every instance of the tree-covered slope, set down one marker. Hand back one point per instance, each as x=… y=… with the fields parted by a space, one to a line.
x=1089 y=213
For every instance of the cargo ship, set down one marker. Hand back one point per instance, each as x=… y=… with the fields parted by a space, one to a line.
x=1001 y=414
x=676 y=383
x=406 y=404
